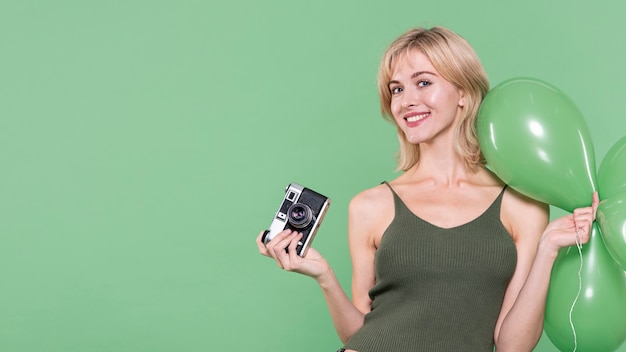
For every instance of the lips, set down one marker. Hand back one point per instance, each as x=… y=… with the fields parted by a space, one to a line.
x=414 y=119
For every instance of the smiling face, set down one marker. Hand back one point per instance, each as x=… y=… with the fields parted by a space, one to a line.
x=418 y=51
x=424 y=105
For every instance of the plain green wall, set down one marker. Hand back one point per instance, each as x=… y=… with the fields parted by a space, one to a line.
x=144 y=144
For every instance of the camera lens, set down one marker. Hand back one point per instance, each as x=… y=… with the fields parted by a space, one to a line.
x=300 y=215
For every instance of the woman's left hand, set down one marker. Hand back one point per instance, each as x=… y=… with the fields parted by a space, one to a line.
x=571 y=229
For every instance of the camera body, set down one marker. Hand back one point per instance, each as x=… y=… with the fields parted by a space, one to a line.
x=302 y=210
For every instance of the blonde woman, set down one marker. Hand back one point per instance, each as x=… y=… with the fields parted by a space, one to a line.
x=445 y=257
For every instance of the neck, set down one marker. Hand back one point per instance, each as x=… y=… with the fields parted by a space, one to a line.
x=444 y=166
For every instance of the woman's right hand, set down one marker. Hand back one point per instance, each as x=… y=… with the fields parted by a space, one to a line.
x=312 y=264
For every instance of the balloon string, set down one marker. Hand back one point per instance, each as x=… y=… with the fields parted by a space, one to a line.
x=580 y=286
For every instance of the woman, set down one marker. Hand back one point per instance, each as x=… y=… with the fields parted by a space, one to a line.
x=445 y=257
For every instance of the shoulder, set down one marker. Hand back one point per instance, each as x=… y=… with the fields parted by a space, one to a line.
x=371 y=199
x=523 y=216
x=369 y=213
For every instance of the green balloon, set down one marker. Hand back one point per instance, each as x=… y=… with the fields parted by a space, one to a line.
x=598 y=315
x=612 y=171
x=536 y=140
x=611 y=218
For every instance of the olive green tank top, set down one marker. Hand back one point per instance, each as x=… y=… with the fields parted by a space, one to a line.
x=437 y=289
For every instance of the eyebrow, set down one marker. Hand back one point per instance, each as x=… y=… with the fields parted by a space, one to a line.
x=418 y=73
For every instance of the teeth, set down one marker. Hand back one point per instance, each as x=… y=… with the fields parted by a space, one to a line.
x=416 y=117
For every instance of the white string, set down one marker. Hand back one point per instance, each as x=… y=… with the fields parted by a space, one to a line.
x=580 y=286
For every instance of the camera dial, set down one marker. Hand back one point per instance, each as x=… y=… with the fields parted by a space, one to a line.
x=300 y=215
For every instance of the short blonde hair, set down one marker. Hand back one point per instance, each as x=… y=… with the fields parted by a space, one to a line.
x=457 y=62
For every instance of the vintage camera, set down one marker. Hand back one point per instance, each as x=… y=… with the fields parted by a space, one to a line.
x=302 y=210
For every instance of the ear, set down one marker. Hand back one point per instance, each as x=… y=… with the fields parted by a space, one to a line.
x=461 y=98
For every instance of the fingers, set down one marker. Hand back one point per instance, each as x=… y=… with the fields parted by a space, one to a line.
x=595 y=202
x=275 y=248
x=289 y=258
x=261 y=245
x=277 y=245
x=583 y=220
x=584 y=217
x=293 y=246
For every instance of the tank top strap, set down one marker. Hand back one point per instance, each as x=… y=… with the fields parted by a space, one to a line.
x=397 y=201
x=396 y=197
x=499 y=198
x=388 y=185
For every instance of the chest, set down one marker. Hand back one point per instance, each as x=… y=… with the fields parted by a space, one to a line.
x=480 y=248
x=447 y=209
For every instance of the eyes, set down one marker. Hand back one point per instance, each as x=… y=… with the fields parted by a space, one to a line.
x=395 y=89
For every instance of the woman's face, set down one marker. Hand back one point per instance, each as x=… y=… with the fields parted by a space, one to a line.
x=424 y=104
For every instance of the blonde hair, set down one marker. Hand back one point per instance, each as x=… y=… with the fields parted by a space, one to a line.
x=457 y=62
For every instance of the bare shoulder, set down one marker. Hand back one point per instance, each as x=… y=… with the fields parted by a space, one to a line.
x=371 y=199
x=370 y=212
x=522 y=215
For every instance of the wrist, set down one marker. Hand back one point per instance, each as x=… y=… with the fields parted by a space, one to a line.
x=547 y=250
x=326 y=279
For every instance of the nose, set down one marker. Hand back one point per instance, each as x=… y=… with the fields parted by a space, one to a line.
x=407 y=102
x=409 y=99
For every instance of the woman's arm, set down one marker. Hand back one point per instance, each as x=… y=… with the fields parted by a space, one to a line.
x=347 y=316
x=520 y=324
x=344 y=314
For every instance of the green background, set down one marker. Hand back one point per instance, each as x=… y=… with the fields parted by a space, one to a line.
x=145 y=144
